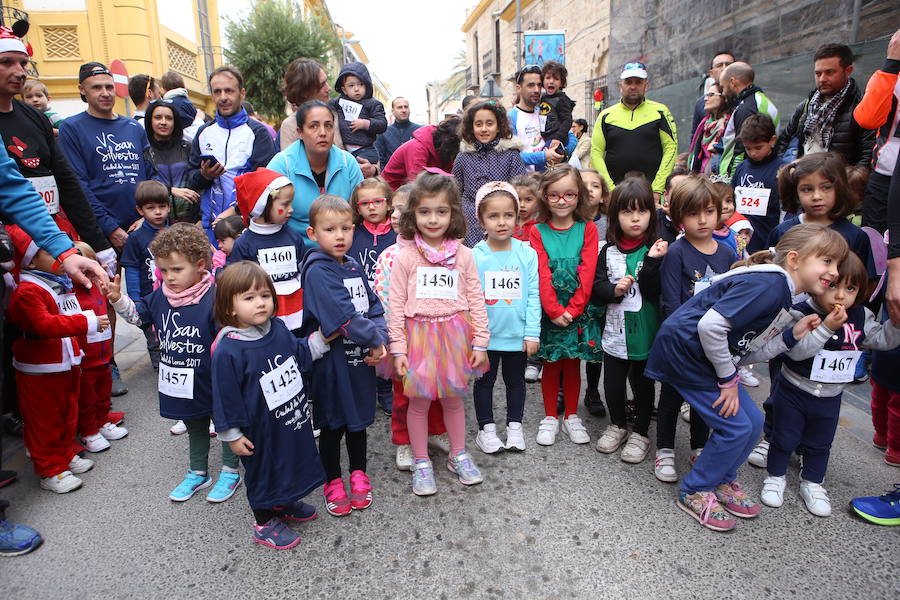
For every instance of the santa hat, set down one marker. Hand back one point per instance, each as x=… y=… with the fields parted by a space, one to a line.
x=24 y=248
x=10 y=42
x=253 y=191
x=495 y=186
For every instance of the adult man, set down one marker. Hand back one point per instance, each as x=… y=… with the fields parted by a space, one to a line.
x=231 y=145
x=142 y=89
x=398 y=132
x=106 y=151
x=745 y=99
x=526 y=122
x=36 y=154
x=635 y=134
x=824 y=121
x=719 y=62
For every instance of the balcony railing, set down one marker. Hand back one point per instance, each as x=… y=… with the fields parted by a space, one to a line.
x=8 y=16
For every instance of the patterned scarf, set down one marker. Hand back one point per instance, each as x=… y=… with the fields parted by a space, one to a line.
x=820 y=115
x=191 y=295
x=444 y=256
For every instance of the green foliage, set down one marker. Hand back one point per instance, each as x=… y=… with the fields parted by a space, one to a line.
x=263 y=44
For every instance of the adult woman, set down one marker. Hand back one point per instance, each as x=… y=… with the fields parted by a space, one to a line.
x=583 y=148
x=314 y=164
x=706 y=146
x=169 y=153
x=430 y=146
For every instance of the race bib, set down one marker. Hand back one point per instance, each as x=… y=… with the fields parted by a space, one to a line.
x=699 y=286
x=752 y=201
x=48 y=191
x=775 y=327
x=502 y=285
x=834 y=366
x=350 y=108
x=281 y=384
x=437 y=282
x=68 y=304
x=358 y=294
x=631 y=301
x=281 y=260
x=176 y=382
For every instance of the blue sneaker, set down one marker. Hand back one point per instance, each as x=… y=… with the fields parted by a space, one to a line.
x=16 y=540
x=298 y=511
x=881 y=510
x=225 y=487
x=275 y=534
x=187 y=488
x=464 y=467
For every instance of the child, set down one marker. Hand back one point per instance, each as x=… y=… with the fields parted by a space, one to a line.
x=181 y=310
x=690 y=263
x=741 y=229
x=259 y=404
x=806 y=395
x=152 y=199
x=361 y=117
x=371 y=204
x=599 y=196
x=566 y=244
x=528 y=188
x=627 y=282
x=556 y=107
x=340 y=301
x=265 y=198
x=36 y=94
x=509 y=276
x=46 y=359
x=668 y=231
x=95 y=389
x=736 y=316
x=436 y=302
x=487 y=152
x=227 y=231
x=722 y=232
x=177 y=94
x=755 y=179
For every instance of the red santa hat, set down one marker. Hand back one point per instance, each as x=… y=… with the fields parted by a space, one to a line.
x=24 y=248
x=10 y=42
x=254 y=189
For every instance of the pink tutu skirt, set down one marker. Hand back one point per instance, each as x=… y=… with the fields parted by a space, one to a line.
x=440 y=357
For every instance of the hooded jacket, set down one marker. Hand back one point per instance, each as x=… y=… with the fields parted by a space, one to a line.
x=411 y=158
x=372 y=109
x=170 y=159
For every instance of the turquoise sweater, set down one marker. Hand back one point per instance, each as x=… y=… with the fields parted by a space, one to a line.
x=510 y=283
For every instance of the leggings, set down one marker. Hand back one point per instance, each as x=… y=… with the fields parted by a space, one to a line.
x=592 y=371
x=618 y=370
x=667 y=420
x=399 y=431
x=417 y=422
x=570 y=371
x=330 y=451
x=198 y=446
x=514 y=379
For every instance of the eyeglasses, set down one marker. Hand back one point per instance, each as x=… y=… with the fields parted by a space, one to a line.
x=527 y=69
x=721 y=65
x=373 y=202
x=711 y=94
x=568 y=196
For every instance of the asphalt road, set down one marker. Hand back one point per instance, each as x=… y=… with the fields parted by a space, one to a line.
x=558 y=522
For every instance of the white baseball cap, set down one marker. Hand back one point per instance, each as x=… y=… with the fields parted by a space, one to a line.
x=634 y=69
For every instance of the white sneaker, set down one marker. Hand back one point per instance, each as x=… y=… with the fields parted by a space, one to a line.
x=685 y=412
x=440 y=442
x=178 y=428
x=515 y=440
x=760 y=455
x=80 y=465
x=95 y=443
x=773 y=491
x=611 y=439
x=487 y=440
x=532 y=373
x=636 y=449
x=816 y=498
x=547 y=430
x=747 y=377
x=62 y=483
x=574 y=428
x=665 y=466
x=317 y=433
x=113 y=432
x=212 y=429
x=404 y=457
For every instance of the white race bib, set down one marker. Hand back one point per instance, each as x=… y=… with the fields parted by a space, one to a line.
x=68 y=304
x=351 y=109
x=176 y=382
x=437 y=282
x=631 y=301
x=280 y=260
x=502 y=285
x=781 y=321
x=834 y=366
x=752 y=201
x=699 y=286
x=48 y=191
x=282 y=383
x=358 y=294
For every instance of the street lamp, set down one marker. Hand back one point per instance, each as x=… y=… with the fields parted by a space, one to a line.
x=490 y=89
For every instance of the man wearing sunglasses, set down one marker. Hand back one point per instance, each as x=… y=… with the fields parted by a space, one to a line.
x=719 y=62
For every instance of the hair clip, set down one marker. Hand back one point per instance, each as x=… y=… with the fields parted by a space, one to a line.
x=772 y=251
x=719 y=178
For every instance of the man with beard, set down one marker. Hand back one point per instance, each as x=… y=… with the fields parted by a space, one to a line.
x=525 y=120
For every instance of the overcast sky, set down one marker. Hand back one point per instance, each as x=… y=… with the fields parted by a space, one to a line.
x=403 y=51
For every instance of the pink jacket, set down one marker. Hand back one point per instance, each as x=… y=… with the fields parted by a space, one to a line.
x=404 y=304
x=412 y=157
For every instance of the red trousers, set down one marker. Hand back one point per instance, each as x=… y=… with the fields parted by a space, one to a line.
x=94 y=399
x=886 y=415
x=49 y=406
x=399 y=432
x=567 y=370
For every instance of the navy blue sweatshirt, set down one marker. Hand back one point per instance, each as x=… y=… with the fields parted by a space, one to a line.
x=755 y=176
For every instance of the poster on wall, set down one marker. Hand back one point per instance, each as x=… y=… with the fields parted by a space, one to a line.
x=544 y=45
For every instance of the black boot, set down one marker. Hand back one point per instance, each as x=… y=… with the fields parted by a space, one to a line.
x=594 y=403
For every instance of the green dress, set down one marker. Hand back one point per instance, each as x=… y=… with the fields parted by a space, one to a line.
x=581 y=339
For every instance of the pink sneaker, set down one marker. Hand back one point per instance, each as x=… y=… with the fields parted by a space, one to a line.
x=706 y=510
x=736 y=501
x=336 y=501
x=360 y=491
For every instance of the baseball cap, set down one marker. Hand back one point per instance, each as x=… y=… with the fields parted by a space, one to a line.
x=634 y=69
x=90 y=69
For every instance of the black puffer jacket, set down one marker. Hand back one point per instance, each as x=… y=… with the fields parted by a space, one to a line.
x=849 y=139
